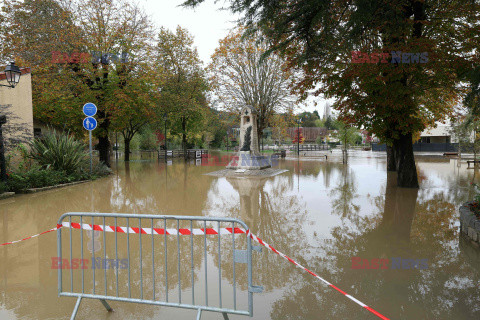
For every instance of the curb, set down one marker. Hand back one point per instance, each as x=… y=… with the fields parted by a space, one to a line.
x=469 y=223
x=6 y=195
x=34 y=190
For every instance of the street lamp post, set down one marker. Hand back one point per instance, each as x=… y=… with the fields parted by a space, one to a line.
x=227 y=138
x=165 y=121
x=12 y=74
x=298 y=136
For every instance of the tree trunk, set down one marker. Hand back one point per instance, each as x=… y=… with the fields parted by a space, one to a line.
x=391 y=162
x=406 y=169
x=184 y=137
x=459 y=150
x=103 y=141
x=474 y=148
x=104 y=150
x=127 y=149
x=259 y=135
x=399 y=211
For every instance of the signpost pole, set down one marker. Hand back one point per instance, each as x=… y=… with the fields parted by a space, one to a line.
x=89 y=123
x=90 y=145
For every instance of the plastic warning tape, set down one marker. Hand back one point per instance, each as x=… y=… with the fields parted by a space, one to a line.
x=159 y=231
x=12 y=242
x=266 y=245
x=156 y=231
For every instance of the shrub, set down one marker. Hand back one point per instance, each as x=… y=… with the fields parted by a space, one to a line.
x=3 y=187
x=98 y=170
x=148 y=140
x=59 y=152
x=36 y=177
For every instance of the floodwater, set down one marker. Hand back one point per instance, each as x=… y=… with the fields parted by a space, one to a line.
x=321 y=213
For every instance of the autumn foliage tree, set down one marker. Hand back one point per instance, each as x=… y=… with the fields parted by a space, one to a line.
x=184 y=86
x=57 y=40
x=240 y=75
x=392 y=96
x=280 y=123
x=29 y=31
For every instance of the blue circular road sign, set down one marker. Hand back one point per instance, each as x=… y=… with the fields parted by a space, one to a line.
x=89 y=109
x=89 y=123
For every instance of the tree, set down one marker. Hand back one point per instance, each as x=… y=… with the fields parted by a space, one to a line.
x=134 y=109
x=280 y=123
x=347 y=136
x=395 y=98
x=115 y=27
x=57 y=39
x=184 y=88
x=309 y=118
x=330 y=123
x=298 y=136
x=320 y=123
x=31 y=30
x=240 y=76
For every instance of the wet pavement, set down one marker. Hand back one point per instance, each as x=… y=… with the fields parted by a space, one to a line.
x=321 y=213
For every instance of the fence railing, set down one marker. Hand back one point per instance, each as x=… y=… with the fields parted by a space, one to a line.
x=158 y=260
x=311 y=147
x=191 y=153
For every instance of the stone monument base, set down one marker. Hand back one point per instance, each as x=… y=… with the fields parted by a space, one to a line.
x=248 y=161
x=247 y=174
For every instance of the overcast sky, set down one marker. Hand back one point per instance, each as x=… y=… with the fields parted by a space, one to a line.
x=207 y=23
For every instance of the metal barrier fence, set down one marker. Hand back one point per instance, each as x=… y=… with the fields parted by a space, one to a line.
x=191 y=153
x=139 y=263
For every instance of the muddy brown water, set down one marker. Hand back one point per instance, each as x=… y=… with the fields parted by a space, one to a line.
x=320 y=213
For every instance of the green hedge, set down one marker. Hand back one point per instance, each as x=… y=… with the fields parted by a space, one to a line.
x=3 y=187
x=37 y=177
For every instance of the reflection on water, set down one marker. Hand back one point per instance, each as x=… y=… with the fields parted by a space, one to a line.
x=321 y=213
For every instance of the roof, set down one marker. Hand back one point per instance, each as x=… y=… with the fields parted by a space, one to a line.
x=441 y=130
x=252 y=109
x=22 y=70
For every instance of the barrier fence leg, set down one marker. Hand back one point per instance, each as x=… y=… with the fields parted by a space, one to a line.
x=199 y=314
x=75 y=310
x=225 y=316
x=106 y=305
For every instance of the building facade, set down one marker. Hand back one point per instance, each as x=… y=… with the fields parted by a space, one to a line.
x=16 y=104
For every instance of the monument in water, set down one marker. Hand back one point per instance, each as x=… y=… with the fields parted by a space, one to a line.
x=249 y=156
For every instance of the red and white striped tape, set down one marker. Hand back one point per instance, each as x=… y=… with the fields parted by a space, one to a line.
x=12 y=242
x=266 y=245
x=158 y=231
